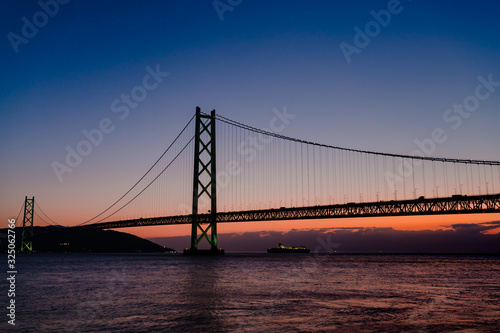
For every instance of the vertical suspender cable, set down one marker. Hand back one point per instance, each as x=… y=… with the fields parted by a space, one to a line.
x=308 y=177
x=423 y=176
x=368 y=176
x=314 y=173
x=322 y=181
x=413 y=174
x=302 y=170
x=434 y=179
x=472 y=179
x=445 y=171
x=375 y=163
x=404 y=177
x=384 y=160
x=467 y=165
x=492 y=180
x=342 y=177
x=394 y=173
x=479 y=179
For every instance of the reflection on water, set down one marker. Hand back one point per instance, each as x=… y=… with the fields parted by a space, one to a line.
x=200 y=296
x=257 y=293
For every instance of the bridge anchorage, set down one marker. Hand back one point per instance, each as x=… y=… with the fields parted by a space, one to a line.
x=205 y=180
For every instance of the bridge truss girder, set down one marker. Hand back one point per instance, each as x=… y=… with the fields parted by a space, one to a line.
x=430 y=206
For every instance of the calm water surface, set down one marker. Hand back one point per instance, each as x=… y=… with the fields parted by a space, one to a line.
x=257 y=293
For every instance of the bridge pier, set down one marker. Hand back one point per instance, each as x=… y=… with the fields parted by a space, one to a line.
x=204 y=165
x=199 y=252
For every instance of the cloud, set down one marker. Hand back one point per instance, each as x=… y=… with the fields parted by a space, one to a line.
x=455 y=238
x=476 y=227
x=492 y=222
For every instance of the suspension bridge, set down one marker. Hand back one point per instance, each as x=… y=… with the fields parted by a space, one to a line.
x=219 y=170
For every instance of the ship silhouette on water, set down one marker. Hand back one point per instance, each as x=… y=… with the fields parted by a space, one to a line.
x=288 y=249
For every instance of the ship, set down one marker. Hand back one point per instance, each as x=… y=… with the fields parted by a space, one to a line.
x=288 y=249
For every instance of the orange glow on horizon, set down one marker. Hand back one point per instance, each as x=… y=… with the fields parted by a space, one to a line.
x=415 y=223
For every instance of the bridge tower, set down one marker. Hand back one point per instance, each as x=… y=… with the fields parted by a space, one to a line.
x=27 y=238
x=204 y=184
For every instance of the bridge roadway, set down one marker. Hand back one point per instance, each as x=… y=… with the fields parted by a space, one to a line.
x=456 y=204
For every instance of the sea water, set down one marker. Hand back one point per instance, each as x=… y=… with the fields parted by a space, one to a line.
x=256 y=293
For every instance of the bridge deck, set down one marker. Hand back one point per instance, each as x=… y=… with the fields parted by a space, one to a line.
x=424 y=206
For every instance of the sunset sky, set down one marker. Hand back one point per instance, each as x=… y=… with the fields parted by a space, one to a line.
x=66 y=72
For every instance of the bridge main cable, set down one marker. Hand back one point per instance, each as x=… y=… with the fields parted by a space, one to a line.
x=147 y=172
x=280 y=136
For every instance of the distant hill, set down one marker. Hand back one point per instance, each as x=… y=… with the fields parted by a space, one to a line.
x=51 y=239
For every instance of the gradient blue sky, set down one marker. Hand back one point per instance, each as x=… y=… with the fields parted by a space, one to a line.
x=263 y=55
